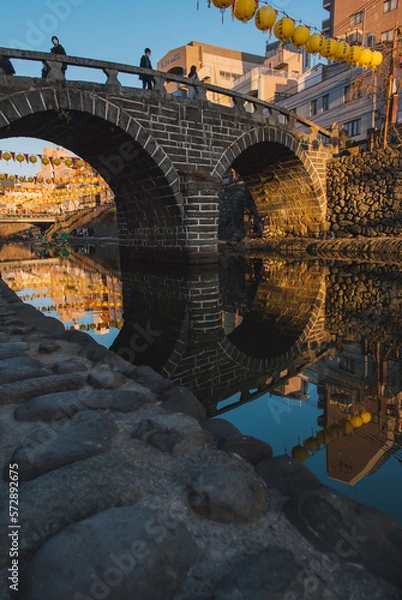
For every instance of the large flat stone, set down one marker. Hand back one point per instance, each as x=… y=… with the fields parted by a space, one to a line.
x=54 y=445
x=121 y=553
x=19 y=391
x=64 y=404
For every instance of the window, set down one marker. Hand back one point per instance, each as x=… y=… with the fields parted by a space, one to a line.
x=370 y=40
x=346 y=94
x=387 y=36
x=356 y=18
x=354 y=37
x=313 y=108
x=353 y=127
x=347 y=364
x=390 y=5
x=325 y=102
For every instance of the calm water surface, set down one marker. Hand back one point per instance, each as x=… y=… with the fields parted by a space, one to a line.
x=303 y=355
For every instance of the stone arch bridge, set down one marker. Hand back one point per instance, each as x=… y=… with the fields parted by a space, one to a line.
x=165 y=155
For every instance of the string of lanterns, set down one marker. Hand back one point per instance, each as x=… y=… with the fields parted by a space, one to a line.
x=285 y=29
x=331 y=433
x=38 y=179
x=69 y=161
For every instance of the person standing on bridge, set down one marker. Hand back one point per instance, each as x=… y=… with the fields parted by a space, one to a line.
x=148 y=81
x=58 y=49
x=194 y=76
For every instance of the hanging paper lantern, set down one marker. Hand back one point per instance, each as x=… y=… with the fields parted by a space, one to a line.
x=354 y=54
x=56 y=161
x=329 y=48
x=12 y=178
x=300 y=36
x=265 y=18
x=33 y=159
x=6 y=155
x=347 y=426
x=376 y=59
x=323 y=437
x=222 y=4
x=342 y=51
x=365 y=57
x=284 y=28
x=79 y=162
x=299 y=453
x=312 y=444
x=2 y=176
x=45 y=160
x=21 y=178
x=315 y=43
x=68 y=162
x=20 y=158
x=244 y=10
x=30 y=179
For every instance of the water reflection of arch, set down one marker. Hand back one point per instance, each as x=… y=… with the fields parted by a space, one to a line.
x=182 y=319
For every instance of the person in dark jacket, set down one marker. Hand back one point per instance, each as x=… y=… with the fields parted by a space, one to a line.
x=6 y=66
x=58 y=49
x=148 y=81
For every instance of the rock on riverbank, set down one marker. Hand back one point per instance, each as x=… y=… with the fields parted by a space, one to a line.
x=125 y=491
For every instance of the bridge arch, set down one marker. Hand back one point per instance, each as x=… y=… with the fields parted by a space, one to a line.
x=281 y=177
x=139 y=171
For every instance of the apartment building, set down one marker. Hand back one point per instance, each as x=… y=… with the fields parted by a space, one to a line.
x=361 y=21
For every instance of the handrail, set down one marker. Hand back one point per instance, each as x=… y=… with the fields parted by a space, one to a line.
x=112 y=70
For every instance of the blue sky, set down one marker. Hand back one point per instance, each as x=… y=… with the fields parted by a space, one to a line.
x=119 y=31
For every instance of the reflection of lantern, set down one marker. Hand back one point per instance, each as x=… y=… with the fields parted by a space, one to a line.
x=365 y=57
x=312 y=444
x=356 y=421
x=354 y=54
x=300 y=36
x=299 y=453
x=376 y=59
x=342 y=51
x=222 y=4
x=329 y=48
x=323 y=437
x=284 y=28
x=314 y=43
x=265 y=18
x=347 y=426
x=244 y=10
x=365 y=416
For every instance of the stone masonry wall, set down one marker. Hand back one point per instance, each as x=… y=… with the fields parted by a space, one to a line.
x=364 y=194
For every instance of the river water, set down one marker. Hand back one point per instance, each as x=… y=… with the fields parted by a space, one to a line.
x=305 y=355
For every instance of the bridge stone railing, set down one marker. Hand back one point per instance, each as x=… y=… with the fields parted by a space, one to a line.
x=274 y=114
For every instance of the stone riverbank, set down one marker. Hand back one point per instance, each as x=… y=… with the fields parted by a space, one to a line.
x=126 y=491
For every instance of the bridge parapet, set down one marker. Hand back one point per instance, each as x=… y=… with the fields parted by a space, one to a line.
x=270 y=113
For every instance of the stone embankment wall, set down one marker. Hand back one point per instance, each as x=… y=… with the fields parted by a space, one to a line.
x=127 y=491
x=364 y=194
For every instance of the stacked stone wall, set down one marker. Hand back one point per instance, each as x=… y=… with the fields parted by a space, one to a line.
x=364 y=194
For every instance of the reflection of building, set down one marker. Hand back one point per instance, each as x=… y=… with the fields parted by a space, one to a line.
x=295 y=388
x=348 y=381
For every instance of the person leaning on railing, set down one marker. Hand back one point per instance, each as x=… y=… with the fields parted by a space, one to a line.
x=6 y=66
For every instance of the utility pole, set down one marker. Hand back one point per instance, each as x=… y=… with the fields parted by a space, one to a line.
x=390 y=113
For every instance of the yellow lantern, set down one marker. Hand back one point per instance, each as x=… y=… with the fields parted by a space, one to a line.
x=68 y=162
x=365 y=57
x=79 y=162
x=323 y=437
x=347 y=426
x=342 y=51
x=30 y=179
x=45 y=160
x=329 y=48
x=244 y=10
x=20 y=158
x=265 y=18
x=21 y=178
x=6 y=155
x=56 y=161
x=376 y=59
x=354 y=54
x=2 y=176
x=284 y=28
x=356 y=421
x=365 y=416
x=222 y=4
x=300 y=36
x=39 y=179
x=33 y=159
x=315 y=43
x=12 y=178
x=299 y=453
